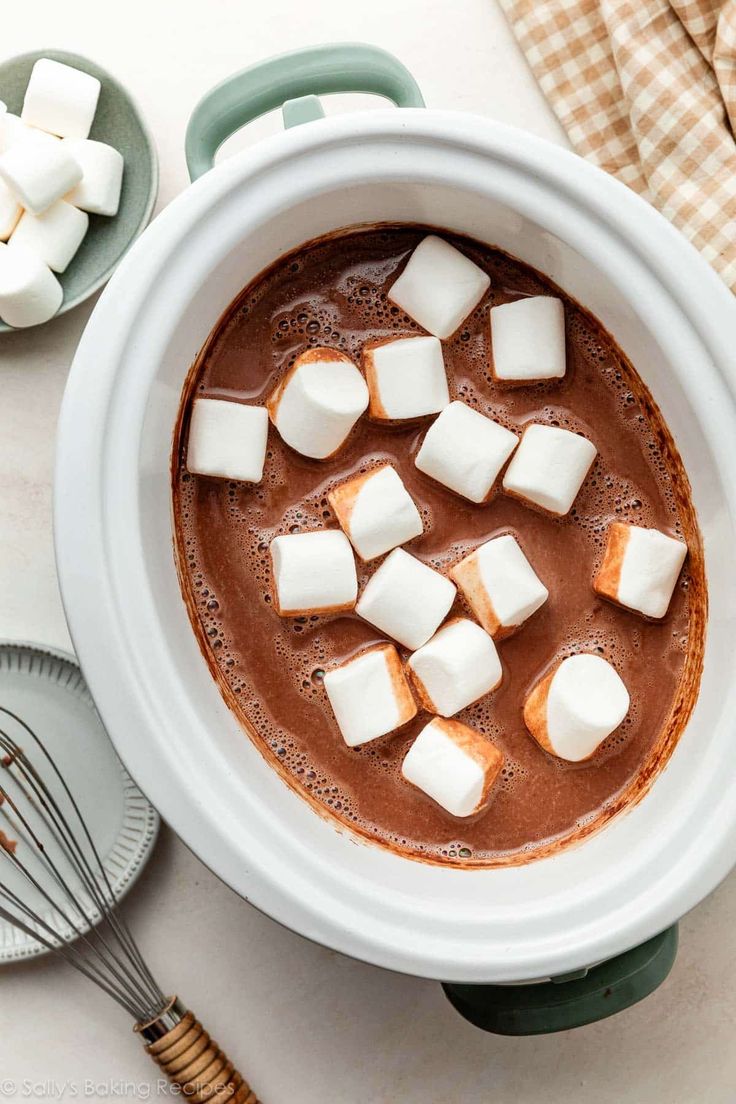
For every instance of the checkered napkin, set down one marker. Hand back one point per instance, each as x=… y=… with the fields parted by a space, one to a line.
x=647 y=90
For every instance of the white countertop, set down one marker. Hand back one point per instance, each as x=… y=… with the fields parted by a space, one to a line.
x=304 y=1024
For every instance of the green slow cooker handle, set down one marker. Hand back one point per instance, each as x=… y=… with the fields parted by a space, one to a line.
x=291 y=81
x=572 y=1000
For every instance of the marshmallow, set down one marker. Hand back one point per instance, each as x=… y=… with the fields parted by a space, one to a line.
x=500 y=585
x=573 y=709
x=439 y=287
x=640 y=568
x=406 y=599
x=318 y=402
x=12 y=130
x=313 y=573
x=376 y=511
x=455 y=668
x=465 y=451
x=60 y=99
x=10 y=211
x=549 y=467
x=528 y=340
x=227 y=440
x=102 y=176
x=29 y=291
x=369 y=695
x=54 y=236
x=453 y=765
x=406 y=378
x=39 y=171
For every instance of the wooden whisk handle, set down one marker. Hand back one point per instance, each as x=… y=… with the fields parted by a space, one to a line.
x=192 y=1061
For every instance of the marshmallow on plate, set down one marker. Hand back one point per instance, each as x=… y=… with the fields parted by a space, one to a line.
x=376 y=511
x=573 y=709
x=39 y=171
x=10 y=211
x=500 y=585
x=528 y=340
x=12 y=130
x=465 y=451
x=640 y=568
x=227 y=440
x=55 y=235
x=102 y=176
x=406 y=599
x=549 y=467
x=318 y=402
x=369 y=695
x=29 y=292
x=453 y=765
x=455 y=668
x=313 y=573
x=60 y=99
x=406 y=378
x=439 y=287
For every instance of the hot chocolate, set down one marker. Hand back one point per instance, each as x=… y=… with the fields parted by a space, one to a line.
x=334 y=293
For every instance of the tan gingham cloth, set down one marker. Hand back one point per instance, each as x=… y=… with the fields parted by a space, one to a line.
x=647 y=90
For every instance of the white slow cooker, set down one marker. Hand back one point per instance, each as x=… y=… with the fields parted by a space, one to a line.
x=607 y=248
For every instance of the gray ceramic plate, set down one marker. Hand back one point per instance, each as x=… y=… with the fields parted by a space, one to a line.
x=46 y=689
x=119 y=123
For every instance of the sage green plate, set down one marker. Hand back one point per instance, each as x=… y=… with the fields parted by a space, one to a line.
x=119 y=123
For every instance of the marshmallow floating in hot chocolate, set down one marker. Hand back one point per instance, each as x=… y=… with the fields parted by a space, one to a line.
x=406 y=599
x=455 y=668
x=640 y=568
x=55 y=235
x=227 y=440
x=549 y=467
x=454 y=765
x=376 y=511
x=575 y=707
x=38 y=171
x=313 y=573
x=406 y=378
x=465 y=451
x=500 y=585
x=369 y=695
x=29 y=291
x=439 y=287
x=60 y=99
x=318 y=402
x=102 y=176
x=528 y=340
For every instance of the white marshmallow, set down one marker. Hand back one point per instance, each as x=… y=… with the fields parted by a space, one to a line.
x=640 y=568
x=439 y=287
x=455 y=668
x=528 y=340
x=369 y=695
x=29 y=292
x=60 y=99
x=12 y=130
x=39 y=171
x=318 y=402
x=549 y=467
x=454 y=766
x=465 y=451
x=102 y=176
x=500 y=585
x=227 y=440
x=406 y=378
x=313 y=573
x=406 y=599
x=54 y=236
x=376 y=511
x=571 y=711
x=10 y=211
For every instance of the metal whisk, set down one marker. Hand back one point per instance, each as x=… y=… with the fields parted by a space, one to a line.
x=44 y=839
